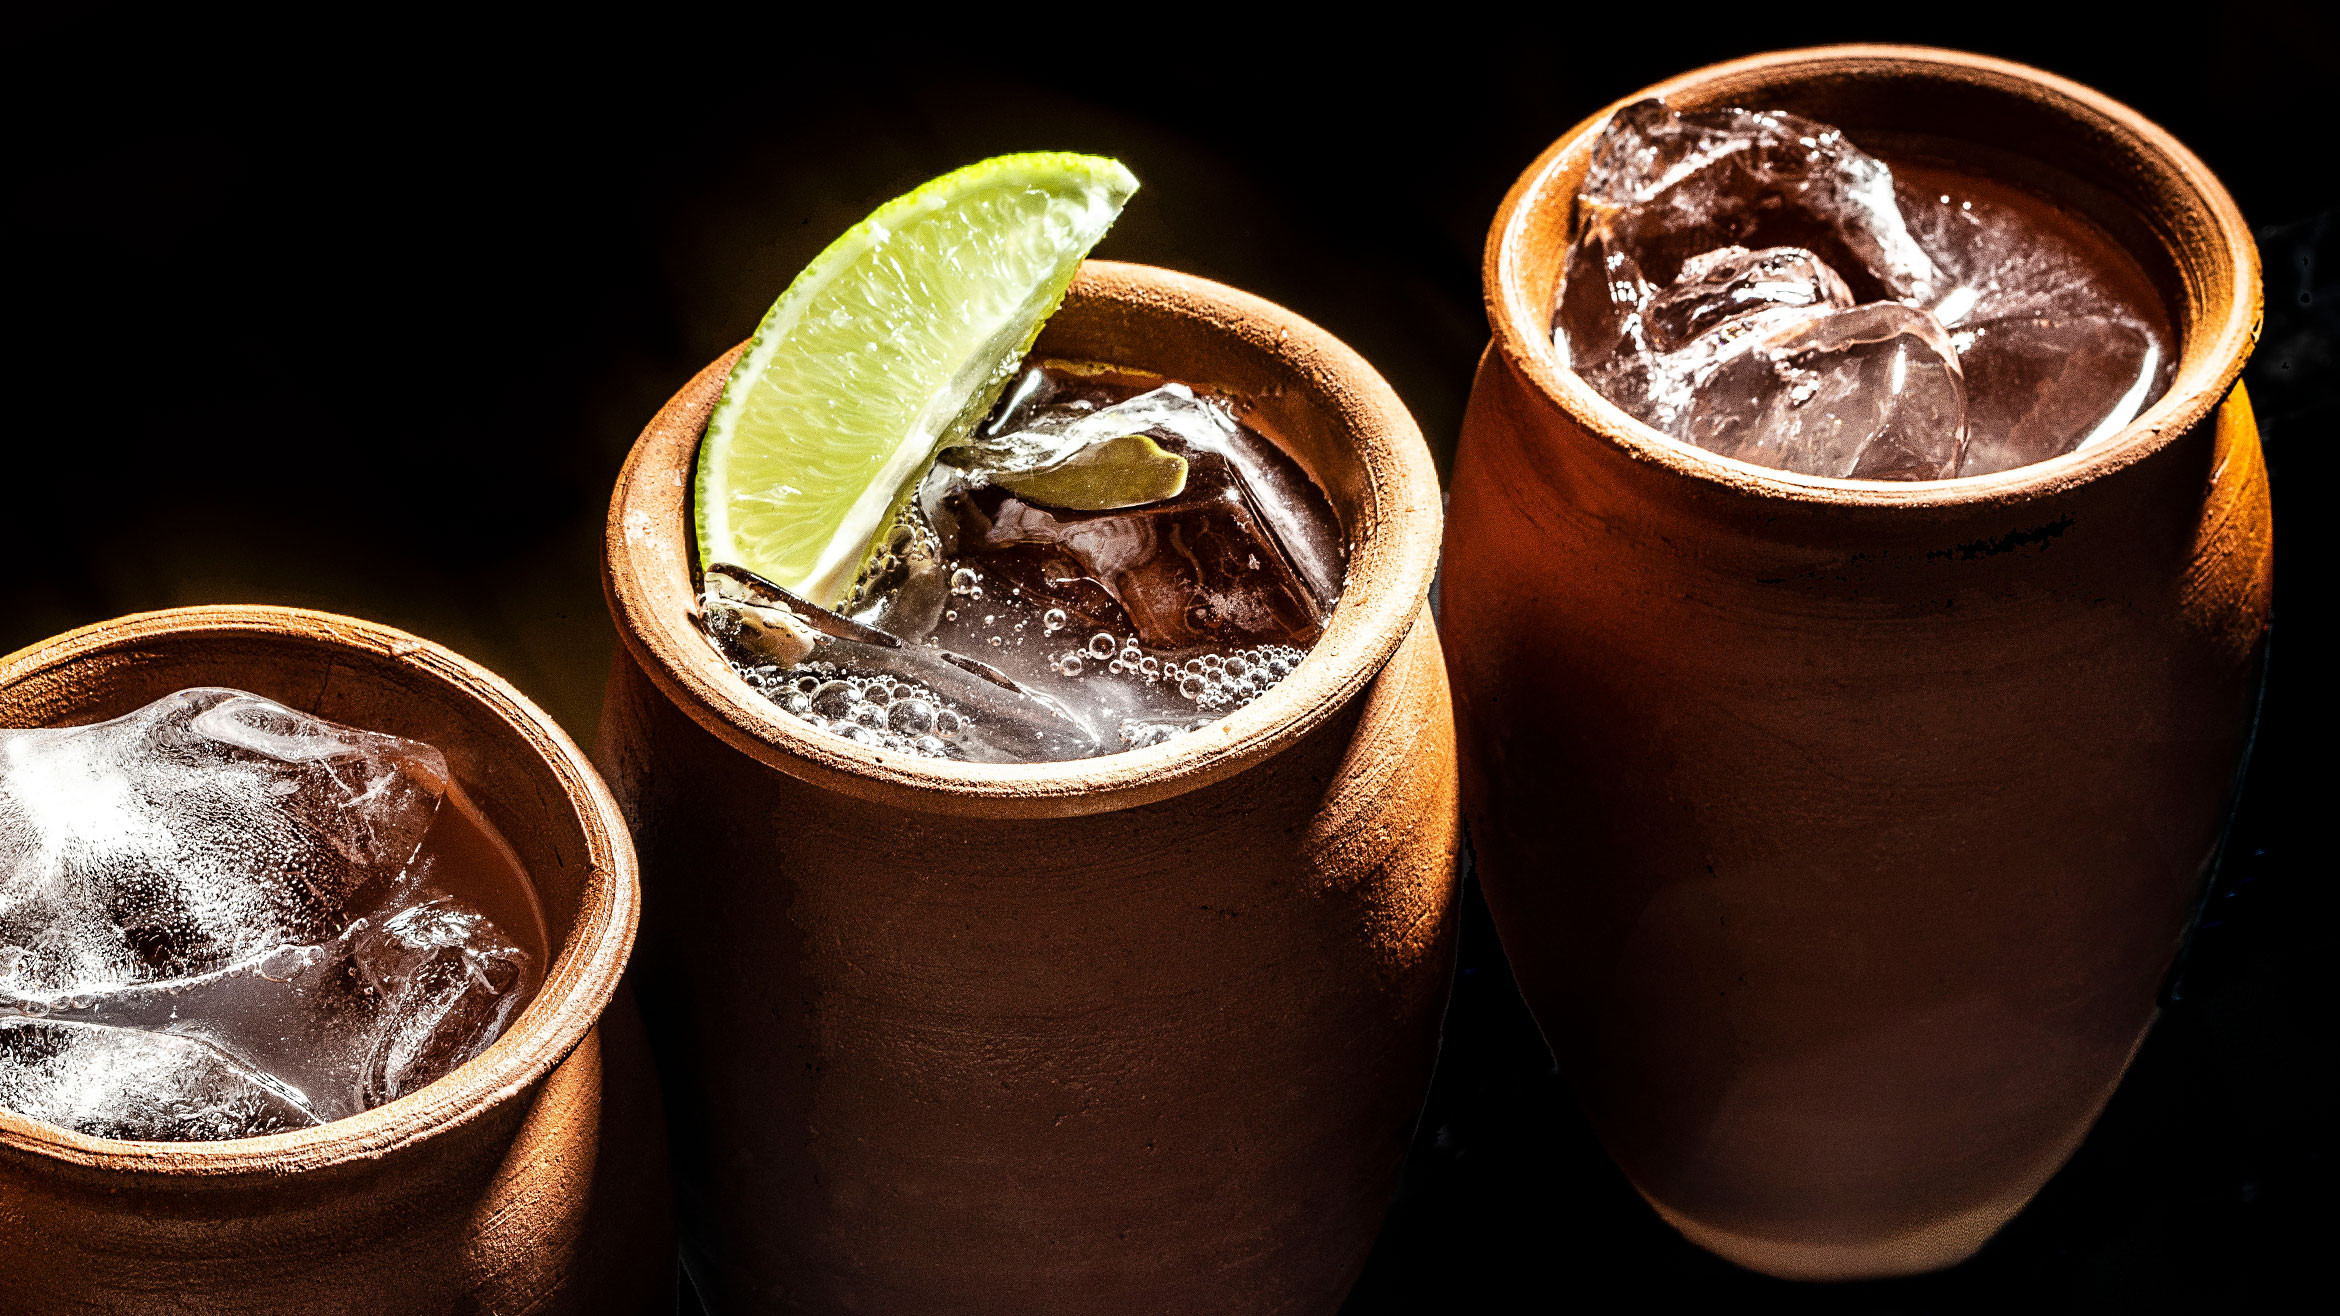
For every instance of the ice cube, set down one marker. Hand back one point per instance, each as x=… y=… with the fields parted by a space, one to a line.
x=1874 y=392
x=1199 y=570
x=1711 y=291
x=1213 y=566
x=1721 y=303
x=1664 y=186
x=1048 y=421
x=206 y=827
x=1998 y=264
x=2041 y=386
x=126 y=1083
x=1730 y=283
x=214 y=923
x=1039 y=430
x=320 y=1032
x=2054 y=357
x=441 y=981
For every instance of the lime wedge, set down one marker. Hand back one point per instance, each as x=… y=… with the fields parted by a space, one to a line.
x=894 y=342
x=1130 y=471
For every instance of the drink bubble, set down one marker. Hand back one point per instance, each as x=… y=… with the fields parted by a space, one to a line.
x=948 y=724
x=1069 y=665
x=1102 y=645
x=911 y=717
x=1053 y=620
x=1237 y=665
x=966 y=581
x=1193 y=687
x=1130 y=654
x=930 y=747
x=834 y=699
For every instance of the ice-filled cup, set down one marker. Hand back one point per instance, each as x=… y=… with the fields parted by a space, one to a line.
x=530 y=1176
x=1841 y=832
x=1139 y=1033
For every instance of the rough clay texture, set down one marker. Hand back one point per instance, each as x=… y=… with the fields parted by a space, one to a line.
x=1841 y=834
x=1066 y=1038
x=532 y=1179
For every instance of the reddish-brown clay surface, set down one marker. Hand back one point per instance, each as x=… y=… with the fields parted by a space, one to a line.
x=532 y=1179
x=1840 y=833
x=1145 y=1033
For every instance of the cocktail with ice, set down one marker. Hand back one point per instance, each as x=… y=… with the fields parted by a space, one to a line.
x=1019 y=560
x=1855 y=582
x=1755 y=283
x=221 y=917
x=1049 y=614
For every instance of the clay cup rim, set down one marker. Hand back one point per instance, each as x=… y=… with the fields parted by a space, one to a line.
x=1298 y=383
x=554 y=779
x=2188 y=222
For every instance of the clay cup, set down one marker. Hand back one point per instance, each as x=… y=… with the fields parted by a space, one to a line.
x=1841 y=833
x=1142 y=1033
x=532 y=1178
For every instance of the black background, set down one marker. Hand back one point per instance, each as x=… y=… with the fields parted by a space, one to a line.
x=365 y=318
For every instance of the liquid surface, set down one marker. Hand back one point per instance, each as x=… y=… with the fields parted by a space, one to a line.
x=1034 y=631
x=1756 y=284
x=221 y=917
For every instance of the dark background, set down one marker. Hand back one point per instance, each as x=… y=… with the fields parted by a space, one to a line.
x=365 y=319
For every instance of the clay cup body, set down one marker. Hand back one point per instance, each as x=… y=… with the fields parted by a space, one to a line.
x=532 y=1178
x=1842 y=833
x=1145 y=1033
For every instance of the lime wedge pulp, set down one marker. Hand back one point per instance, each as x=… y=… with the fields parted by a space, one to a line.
x=893 y=343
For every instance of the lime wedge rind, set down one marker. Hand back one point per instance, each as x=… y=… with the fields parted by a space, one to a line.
x=894 y=342
x=1130 y=471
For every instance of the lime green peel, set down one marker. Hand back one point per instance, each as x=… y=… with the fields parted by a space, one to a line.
x=1130 y=471
x=893 y=344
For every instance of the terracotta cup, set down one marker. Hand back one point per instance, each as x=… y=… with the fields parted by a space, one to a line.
x=533 y=1178
x=1841 y=832
x=1143 y=1033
